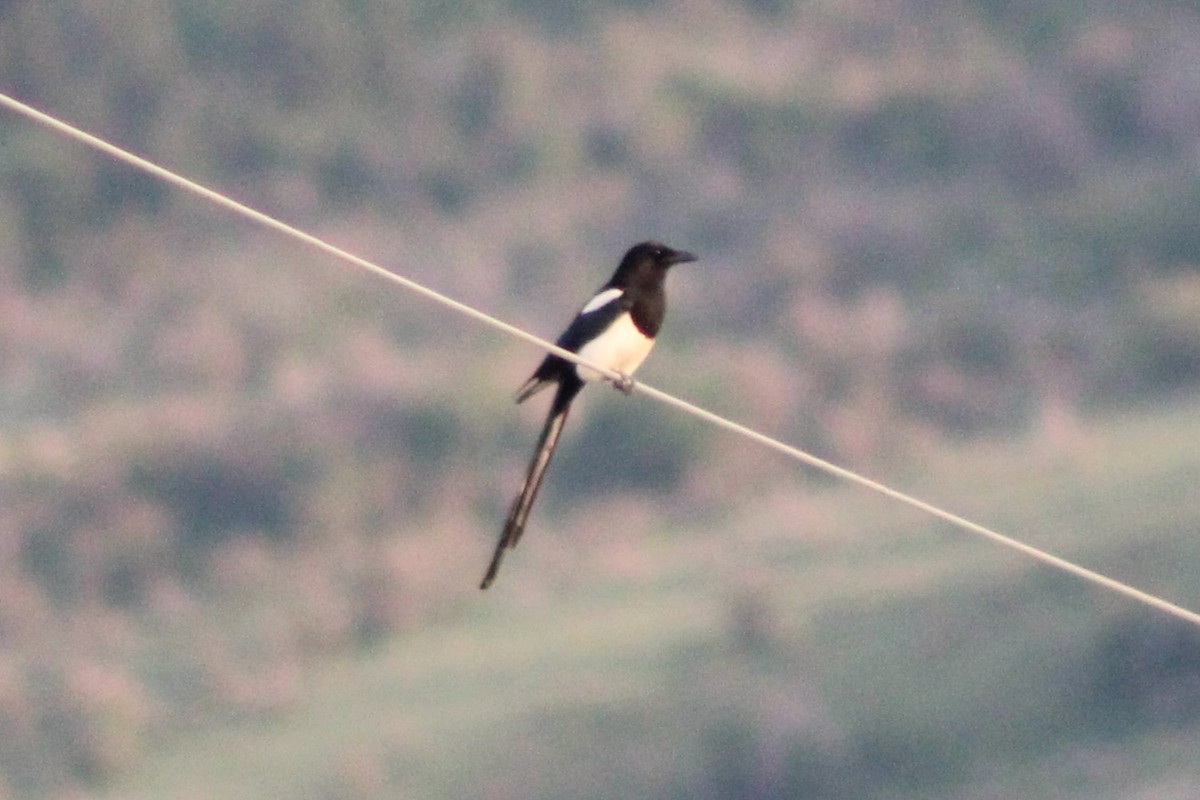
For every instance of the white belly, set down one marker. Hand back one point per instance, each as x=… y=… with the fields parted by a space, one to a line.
x=622 y=348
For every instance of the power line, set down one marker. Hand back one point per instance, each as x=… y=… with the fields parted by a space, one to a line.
x=656 y=394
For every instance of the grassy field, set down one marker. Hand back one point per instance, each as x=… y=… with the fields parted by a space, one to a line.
x=817 y=643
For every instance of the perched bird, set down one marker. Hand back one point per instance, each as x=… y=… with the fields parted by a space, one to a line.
x=615 y=329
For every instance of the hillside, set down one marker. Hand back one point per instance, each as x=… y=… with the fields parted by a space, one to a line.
x=854 y=650
x=226 y=462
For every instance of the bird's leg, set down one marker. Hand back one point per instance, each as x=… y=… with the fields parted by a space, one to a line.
x=623 y=384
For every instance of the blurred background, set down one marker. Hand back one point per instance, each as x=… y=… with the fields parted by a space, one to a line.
x=247 y=493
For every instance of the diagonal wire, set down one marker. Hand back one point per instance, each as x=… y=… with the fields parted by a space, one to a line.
x=792 y=452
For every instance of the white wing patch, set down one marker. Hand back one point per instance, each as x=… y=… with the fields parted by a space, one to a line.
x=622 y=347
x=603 y=298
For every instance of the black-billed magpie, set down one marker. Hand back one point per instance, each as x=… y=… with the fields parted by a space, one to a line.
x=615 y=329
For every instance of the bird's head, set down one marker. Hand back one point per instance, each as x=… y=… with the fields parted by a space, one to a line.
x=659 y=254
x=652 y=257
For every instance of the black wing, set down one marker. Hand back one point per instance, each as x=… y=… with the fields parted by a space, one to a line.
x=586 y=326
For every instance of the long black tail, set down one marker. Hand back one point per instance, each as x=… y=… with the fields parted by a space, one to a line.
x=519 y=512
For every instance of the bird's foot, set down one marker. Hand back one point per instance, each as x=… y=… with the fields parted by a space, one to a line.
x=624 y=384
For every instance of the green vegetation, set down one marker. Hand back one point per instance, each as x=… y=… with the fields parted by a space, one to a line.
x=226 y=463
x=875 y=656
